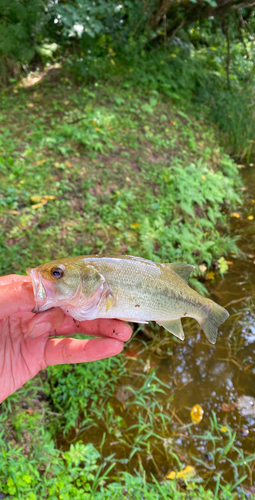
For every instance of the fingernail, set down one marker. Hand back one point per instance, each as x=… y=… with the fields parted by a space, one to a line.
x=40 y=329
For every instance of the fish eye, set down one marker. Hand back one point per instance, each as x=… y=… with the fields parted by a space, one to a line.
x=57 y=273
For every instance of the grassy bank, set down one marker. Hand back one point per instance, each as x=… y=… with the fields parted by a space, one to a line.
x=104 y=169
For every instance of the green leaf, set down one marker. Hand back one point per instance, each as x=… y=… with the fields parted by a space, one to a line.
x=222 y=265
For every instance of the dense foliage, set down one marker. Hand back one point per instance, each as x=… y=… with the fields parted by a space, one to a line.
x=204 y=49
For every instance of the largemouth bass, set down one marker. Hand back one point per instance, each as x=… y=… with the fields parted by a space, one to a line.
x=127 y=288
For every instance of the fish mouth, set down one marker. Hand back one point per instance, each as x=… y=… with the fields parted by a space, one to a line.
x=43 y=292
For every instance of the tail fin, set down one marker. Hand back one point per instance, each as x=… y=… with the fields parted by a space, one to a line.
x=216 y=317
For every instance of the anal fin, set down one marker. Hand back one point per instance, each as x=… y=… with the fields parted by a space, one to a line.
x=174 y=327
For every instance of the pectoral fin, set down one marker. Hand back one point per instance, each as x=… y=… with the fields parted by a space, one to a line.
x=110 y=301
x=174 y=327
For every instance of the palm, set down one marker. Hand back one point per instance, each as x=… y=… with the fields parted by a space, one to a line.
x=22 y=356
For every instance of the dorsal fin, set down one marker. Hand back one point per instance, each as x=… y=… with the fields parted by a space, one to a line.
x=183 y=270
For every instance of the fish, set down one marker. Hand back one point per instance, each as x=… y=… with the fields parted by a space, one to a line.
x=127 y=288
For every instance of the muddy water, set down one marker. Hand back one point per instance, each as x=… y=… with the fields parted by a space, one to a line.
x=195 y=372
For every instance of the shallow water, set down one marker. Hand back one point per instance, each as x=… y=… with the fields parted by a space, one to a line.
x=194 y=372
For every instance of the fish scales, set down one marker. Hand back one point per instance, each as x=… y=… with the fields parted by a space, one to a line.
x=126 y=287
x=136 y=282
x=126 y=277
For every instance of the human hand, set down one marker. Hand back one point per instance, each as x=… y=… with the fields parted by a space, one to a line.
x=25 y=343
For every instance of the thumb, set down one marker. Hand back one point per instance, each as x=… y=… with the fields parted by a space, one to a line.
x=45 y=322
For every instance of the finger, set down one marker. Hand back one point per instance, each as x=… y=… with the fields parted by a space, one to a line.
x=45 y=322
x=11 y=278
x=16 y=297
x=63 y=351
x=114 y=328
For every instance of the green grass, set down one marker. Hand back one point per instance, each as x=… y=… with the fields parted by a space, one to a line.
x=129 y=173
x=125 y=171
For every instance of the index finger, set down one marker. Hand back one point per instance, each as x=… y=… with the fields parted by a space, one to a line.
x=11 y=278
x=16 y=297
